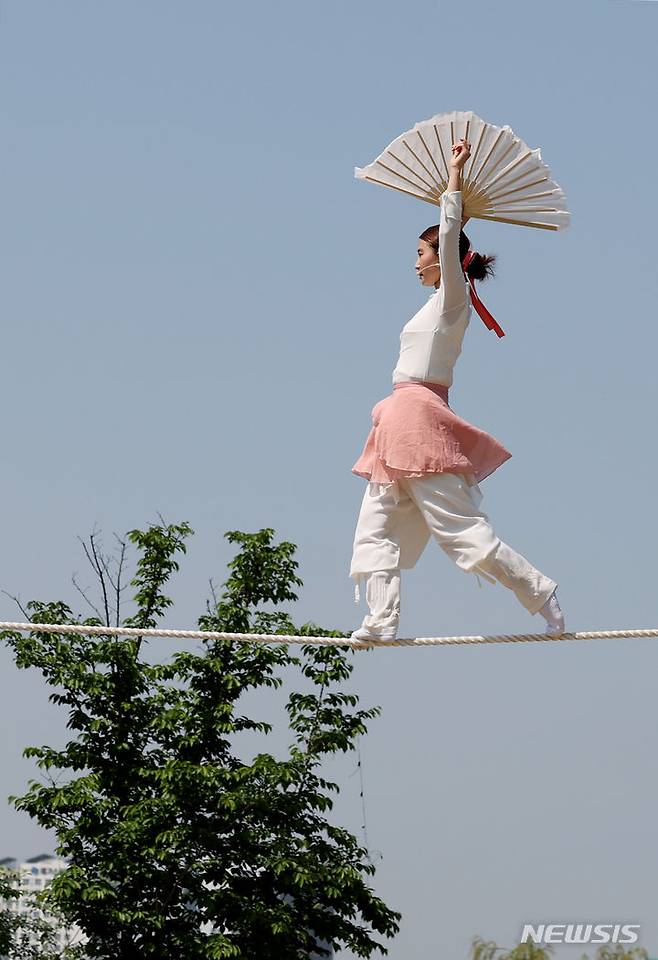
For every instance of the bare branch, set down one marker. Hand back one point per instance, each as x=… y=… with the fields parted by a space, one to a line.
x=101 y=575
x=19 y=605
x=86 y=598
x=119 y=588
x=213 y=592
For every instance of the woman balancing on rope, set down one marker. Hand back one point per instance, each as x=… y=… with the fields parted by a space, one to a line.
x=422 y=460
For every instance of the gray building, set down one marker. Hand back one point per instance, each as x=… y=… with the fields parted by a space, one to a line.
x=36 y=873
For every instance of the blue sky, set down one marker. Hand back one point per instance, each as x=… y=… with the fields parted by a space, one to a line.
x=201 y=306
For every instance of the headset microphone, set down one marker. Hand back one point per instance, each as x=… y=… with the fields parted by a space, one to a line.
x=437 y=264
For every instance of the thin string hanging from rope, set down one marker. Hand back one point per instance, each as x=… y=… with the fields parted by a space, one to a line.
x=359 y=769
x=100 y=631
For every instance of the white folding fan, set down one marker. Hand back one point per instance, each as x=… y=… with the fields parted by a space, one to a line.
x=503 y=179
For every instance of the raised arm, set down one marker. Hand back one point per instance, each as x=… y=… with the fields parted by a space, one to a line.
x=455 y=179
x=452 y=276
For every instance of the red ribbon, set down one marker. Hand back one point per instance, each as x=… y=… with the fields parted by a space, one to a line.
x=486 y=317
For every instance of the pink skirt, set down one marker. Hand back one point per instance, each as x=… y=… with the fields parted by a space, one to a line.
x=415 y=432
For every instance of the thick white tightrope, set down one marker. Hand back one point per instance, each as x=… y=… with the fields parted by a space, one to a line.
x=328 y=641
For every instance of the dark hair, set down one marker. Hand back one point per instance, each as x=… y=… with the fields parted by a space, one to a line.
x=480 y=266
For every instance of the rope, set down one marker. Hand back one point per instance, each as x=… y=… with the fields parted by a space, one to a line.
x=99 y=631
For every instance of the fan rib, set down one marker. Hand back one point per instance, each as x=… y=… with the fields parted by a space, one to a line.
x=410 y=169
x=509 y=169
x=427 y=170
x=525 y=210
x=486 y=159
x=489 y=155
x=468 y=124
x=402 y=190
x=531 y=199
x=442 y=180
x=524 y=186
x=521 y=223
x=496 y=165
x=438 y=140
x=475 y=155
x=400 y=176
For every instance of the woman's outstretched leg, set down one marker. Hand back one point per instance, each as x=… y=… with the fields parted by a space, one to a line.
x=535 y=591
x=450 y=507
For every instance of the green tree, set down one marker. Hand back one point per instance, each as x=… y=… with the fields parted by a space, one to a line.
x=176 y=847
x=619 y=951
x=489 y=950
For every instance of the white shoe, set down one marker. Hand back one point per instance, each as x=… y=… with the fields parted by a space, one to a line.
x=553 y=615
x=364 y=633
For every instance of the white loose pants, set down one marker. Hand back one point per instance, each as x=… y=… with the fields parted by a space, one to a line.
x=396 y=521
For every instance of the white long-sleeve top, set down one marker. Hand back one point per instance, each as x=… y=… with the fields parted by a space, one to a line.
x=432 y=340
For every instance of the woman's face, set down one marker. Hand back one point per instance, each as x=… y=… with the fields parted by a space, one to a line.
x=427 y=262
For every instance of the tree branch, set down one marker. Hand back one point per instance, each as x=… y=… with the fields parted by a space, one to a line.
x=19 y=605
x=85 y=597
